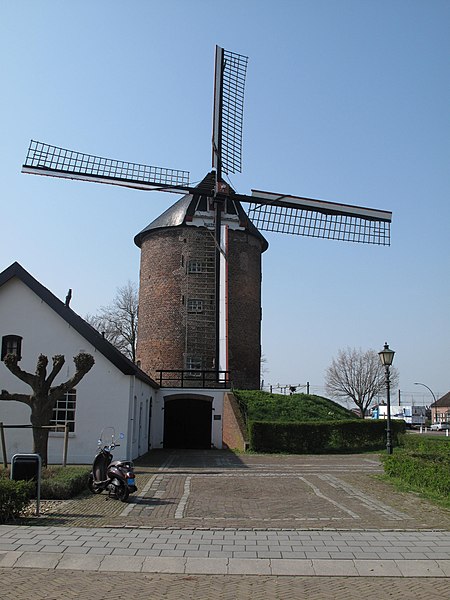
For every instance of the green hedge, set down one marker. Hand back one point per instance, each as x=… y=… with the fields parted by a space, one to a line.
x=316 y=437
x=59 y=483
x=14 y=497
x=423 y=463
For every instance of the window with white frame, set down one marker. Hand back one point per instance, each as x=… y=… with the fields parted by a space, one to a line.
x=194 y=305
x=11 y=344
x=64 y=411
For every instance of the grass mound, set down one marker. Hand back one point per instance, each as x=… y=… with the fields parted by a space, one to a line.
x=257 y=405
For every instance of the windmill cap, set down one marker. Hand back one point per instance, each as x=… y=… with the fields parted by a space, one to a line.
x=183 y=211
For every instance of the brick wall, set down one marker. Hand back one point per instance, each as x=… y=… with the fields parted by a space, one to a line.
x=244 y=309
x=162 y=340
x=234 y=433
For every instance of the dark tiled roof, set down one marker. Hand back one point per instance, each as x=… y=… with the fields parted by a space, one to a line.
x=443 y=401
x=95 y=338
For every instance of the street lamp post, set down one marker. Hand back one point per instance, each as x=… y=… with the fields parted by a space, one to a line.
x=429 y=389
x=434 y=399
x=387 y=356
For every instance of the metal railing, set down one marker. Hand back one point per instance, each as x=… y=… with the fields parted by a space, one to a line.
x=194 y=378
x=64 y=428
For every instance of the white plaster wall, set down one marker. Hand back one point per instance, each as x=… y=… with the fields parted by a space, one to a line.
x=157 y=421
x=140 y=406
x=103 y=396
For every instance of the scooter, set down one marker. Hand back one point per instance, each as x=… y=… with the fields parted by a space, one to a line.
x=117 y=477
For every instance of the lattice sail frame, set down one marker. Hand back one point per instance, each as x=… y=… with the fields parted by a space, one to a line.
x=268 y=211
x=60 y=162
x=316 y=224
x=318 y=218
x=229 y=85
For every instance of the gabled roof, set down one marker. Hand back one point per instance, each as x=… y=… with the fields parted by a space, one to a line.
x=443 y=401
x=124 y=364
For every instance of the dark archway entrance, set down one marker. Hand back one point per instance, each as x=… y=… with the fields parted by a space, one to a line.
x=187 y=423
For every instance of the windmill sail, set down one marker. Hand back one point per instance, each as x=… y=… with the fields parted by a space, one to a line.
x=318 y=218
x=43 y=159
x=229 y=83
x=217 y=215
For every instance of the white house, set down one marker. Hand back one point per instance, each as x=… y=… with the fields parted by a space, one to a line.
x=114 y=393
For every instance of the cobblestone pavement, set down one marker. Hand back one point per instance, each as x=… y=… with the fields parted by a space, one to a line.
x=216 y=525
x=24 y=584
x=193 y=489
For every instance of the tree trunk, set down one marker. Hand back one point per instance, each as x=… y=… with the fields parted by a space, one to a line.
x=41 y=415
x=40 y=444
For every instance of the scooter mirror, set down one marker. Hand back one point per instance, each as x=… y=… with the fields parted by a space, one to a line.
x=121 y=436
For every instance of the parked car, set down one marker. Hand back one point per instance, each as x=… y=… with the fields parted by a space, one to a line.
x=439 y=426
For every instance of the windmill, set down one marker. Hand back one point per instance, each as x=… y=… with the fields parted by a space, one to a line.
x=214 y=208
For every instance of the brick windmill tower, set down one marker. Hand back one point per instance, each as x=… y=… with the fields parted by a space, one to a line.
x=178 y=301
x=200 y=284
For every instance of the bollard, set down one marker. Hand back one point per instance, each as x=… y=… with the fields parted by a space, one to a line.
x=28 y=467
x=2 y=436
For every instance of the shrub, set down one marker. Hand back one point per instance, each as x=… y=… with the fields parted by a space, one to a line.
x=60 y=483
x=14 y=497
x=423 y=463
x=315 y=437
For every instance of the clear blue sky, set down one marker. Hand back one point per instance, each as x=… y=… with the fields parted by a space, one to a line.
x=346 y=101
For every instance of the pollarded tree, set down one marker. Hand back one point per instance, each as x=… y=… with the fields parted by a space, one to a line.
x=118 y=321
x=358 y=375
x=43 y=398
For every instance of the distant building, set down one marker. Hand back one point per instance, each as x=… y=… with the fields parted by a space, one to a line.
x=412 y=415
x=440 y=410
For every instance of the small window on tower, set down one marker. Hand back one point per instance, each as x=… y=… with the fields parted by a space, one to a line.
x=196 y=266
x=11 y=344
x=194 y=366
x=195 y=305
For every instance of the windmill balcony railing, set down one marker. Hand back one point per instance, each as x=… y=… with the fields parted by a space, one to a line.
x=194 y=378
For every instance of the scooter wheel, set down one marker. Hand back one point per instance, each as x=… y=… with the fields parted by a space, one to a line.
x=122 y=492
x=91 y=485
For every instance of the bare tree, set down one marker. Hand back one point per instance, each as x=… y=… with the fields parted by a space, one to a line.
x=118 y=321
x=43 y=398
x=358 y=375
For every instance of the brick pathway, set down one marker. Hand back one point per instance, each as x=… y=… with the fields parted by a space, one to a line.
x=204 y=524
x=36 y=584
x=219 y=489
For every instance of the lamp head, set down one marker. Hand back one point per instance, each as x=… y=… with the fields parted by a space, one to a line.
x=386 y=356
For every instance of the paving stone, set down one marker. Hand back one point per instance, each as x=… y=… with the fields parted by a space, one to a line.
x=291 y=567
x=249 y=566
x=329 y=568
x=426 y=568
x=9 y=559
x=40 y=560
x=121 y=563
x=212 y=566
x=158 y=564
x=79 y=562
x=377 y=568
